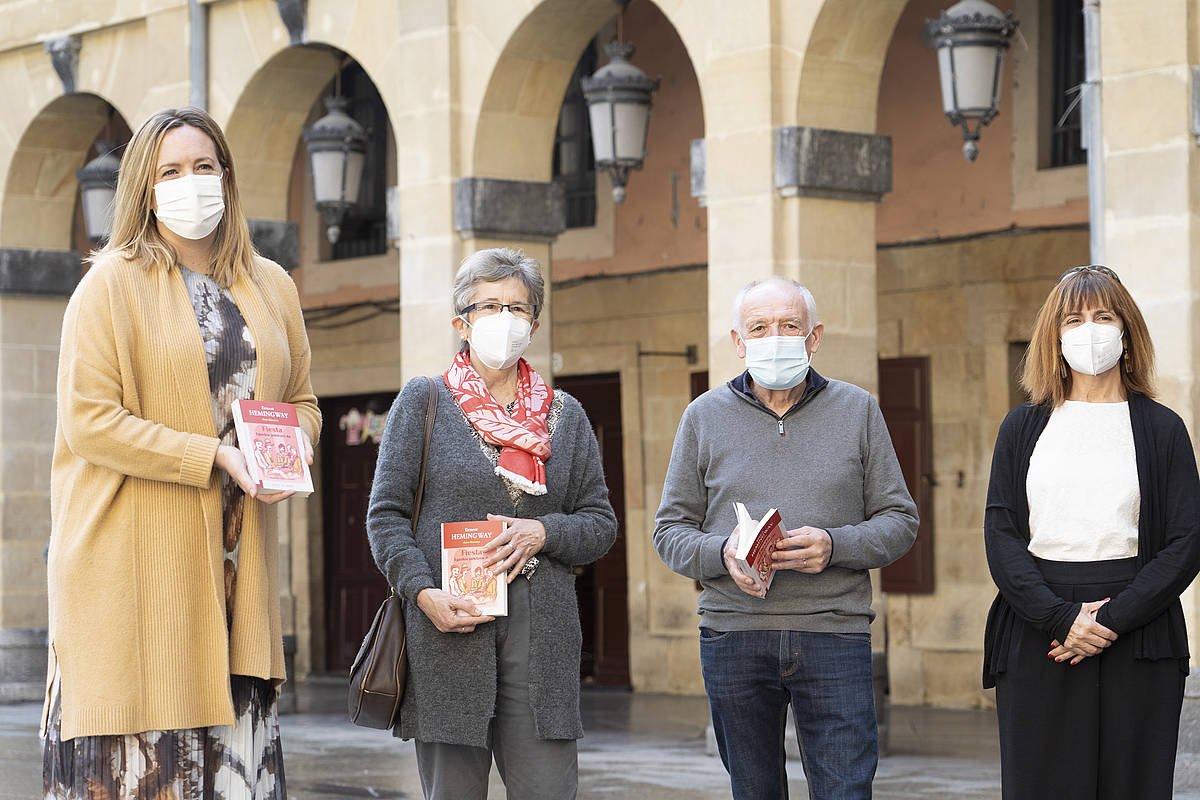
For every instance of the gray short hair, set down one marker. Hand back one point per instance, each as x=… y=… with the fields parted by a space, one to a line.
x=497 y=264
x=810 y=303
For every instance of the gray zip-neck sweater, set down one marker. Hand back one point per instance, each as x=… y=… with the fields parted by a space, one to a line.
x=828 y=462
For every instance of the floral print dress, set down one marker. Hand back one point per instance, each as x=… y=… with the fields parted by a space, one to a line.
x=242 y=761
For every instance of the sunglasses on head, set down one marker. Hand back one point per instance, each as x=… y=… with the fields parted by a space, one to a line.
x=1089 y=268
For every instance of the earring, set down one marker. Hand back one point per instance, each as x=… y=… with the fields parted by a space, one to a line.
x=1128 y=364
x=1062 y=368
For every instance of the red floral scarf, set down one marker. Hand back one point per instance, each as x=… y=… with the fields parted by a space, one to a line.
x=523 y=438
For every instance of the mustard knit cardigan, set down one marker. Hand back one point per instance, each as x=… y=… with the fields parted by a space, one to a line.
x=136 y=586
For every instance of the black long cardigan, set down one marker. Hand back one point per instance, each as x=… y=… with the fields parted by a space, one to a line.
x=1168 y=541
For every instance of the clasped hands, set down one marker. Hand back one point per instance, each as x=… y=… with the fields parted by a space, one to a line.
x=522 y=538
x=804 y=549
x=1087 y=637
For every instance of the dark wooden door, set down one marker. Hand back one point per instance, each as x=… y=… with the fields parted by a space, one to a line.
x=904 y=400
x=602 y=587
x=354 y=588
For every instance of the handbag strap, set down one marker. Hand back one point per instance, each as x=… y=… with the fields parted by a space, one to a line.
x=430 y=416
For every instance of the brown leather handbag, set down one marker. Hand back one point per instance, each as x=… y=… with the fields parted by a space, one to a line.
x=379 y=673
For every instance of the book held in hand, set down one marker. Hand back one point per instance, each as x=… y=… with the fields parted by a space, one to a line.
x=464 y=570
x=270 y=438
x=756 y=542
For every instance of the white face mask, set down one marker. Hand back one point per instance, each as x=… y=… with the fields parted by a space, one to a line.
x=500 y=340
x=1092 y=348
x=190 y=206
x=777 y=362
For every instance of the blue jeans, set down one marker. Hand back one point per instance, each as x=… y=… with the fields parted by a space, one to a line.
x=752 y=676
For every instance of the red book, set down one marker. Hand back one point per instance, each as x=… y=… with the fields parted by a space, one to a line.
x=756 y=542
x=463 y=572
x=270 y=438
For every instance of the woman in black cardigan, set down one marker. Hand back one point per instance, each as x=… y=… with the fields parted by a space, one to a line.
x=1091 y=536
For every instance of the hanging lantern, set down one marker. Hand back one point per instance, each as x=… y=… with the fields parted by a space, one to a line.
x=337 y=147
x=618 y=98
x=970 y=38
x=97 y=188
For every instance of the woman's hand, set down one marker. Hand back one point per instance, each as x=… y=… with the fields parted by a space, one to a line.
x=308 y=448
x=450 y=614
x=231 y=460
x=521 y=539
x=1086 y=637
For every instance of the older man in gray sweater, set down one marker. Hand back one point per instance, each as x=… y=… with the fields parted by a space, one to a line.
x=780 y=435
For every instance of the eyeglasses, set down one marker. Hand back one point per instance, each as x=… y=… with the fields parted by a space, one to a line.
x=489 y=308
x=1089 y=268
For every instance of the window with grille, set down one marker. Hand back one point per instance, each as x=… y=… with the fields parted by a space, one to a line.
x=574 y=161
x=1067 y=71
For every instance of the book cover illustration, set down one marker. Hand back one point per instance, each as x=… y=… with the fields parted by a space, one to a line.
x=464 y=573
x=270 y=438
x=756 y=542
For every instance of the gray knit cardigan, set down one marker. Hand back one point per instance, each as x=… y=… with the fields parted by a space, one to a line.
x=452 y=680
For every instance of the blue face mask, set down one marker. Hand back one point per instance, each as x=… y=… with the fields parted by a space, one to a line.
x=777 y=362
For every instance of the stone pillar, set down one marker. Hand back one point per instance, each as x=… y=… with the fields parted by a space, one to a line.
x=1152 y=192
x=1152 y=202
x=33 y=288
x=424 y=122
x=526 y=215
x=830 y=181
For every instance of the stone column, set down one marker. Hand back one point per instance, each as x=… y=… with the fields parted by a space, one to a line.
x=526 y=215
x=1152 y=191
x=33 y=289
x=423 y=118
x=1151 y=207
x=830 y=181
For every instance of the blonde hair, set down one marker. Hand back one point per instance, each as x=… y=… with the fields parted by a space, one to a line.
x=135 y=235
x=1045 y=375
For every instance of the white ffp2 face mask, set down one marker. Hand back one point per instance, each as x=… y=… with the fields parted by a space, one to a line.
x=500 y=340
x=1092 y=348
x=777 y=362
x=190 y=206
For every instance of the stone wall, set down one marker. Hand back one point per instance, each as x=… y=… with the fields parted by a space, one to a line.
x=963 y=304
x=601 y=326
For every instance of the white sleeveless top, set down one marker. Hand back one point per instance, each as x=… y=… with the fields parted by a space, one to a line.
x=1084 y=499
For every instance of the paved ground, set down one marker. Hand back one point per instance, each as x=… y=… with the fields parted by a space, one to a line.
x=638 y=747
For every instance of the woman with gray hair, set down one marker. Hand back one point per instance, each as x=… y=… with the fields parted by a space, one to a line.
x=505 y=447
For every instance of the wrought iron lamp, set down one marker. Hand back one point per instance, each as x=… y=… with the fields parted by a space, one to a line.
x=337 y=147
x=970 y=38
x=618 y=98
x=97 y=188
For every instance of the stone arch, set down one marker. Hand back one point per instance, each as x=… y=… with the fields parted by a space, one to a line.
x=40 y=188
x=266 y=120
x=839 y=76
x=535 y=52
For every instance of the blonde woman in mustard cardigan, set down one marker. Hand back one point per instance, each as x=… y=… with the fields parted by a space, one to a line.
x=165 y=644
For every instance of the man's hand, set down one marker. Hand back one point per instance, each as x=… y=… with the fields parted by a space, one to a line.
x=741 y=579
x=450 y=614
x=804 y=550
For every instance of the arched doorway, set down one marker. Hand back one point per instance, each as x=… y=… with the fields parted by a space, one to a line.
x=41 y=245
x=617 y=273
x=336 y=585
